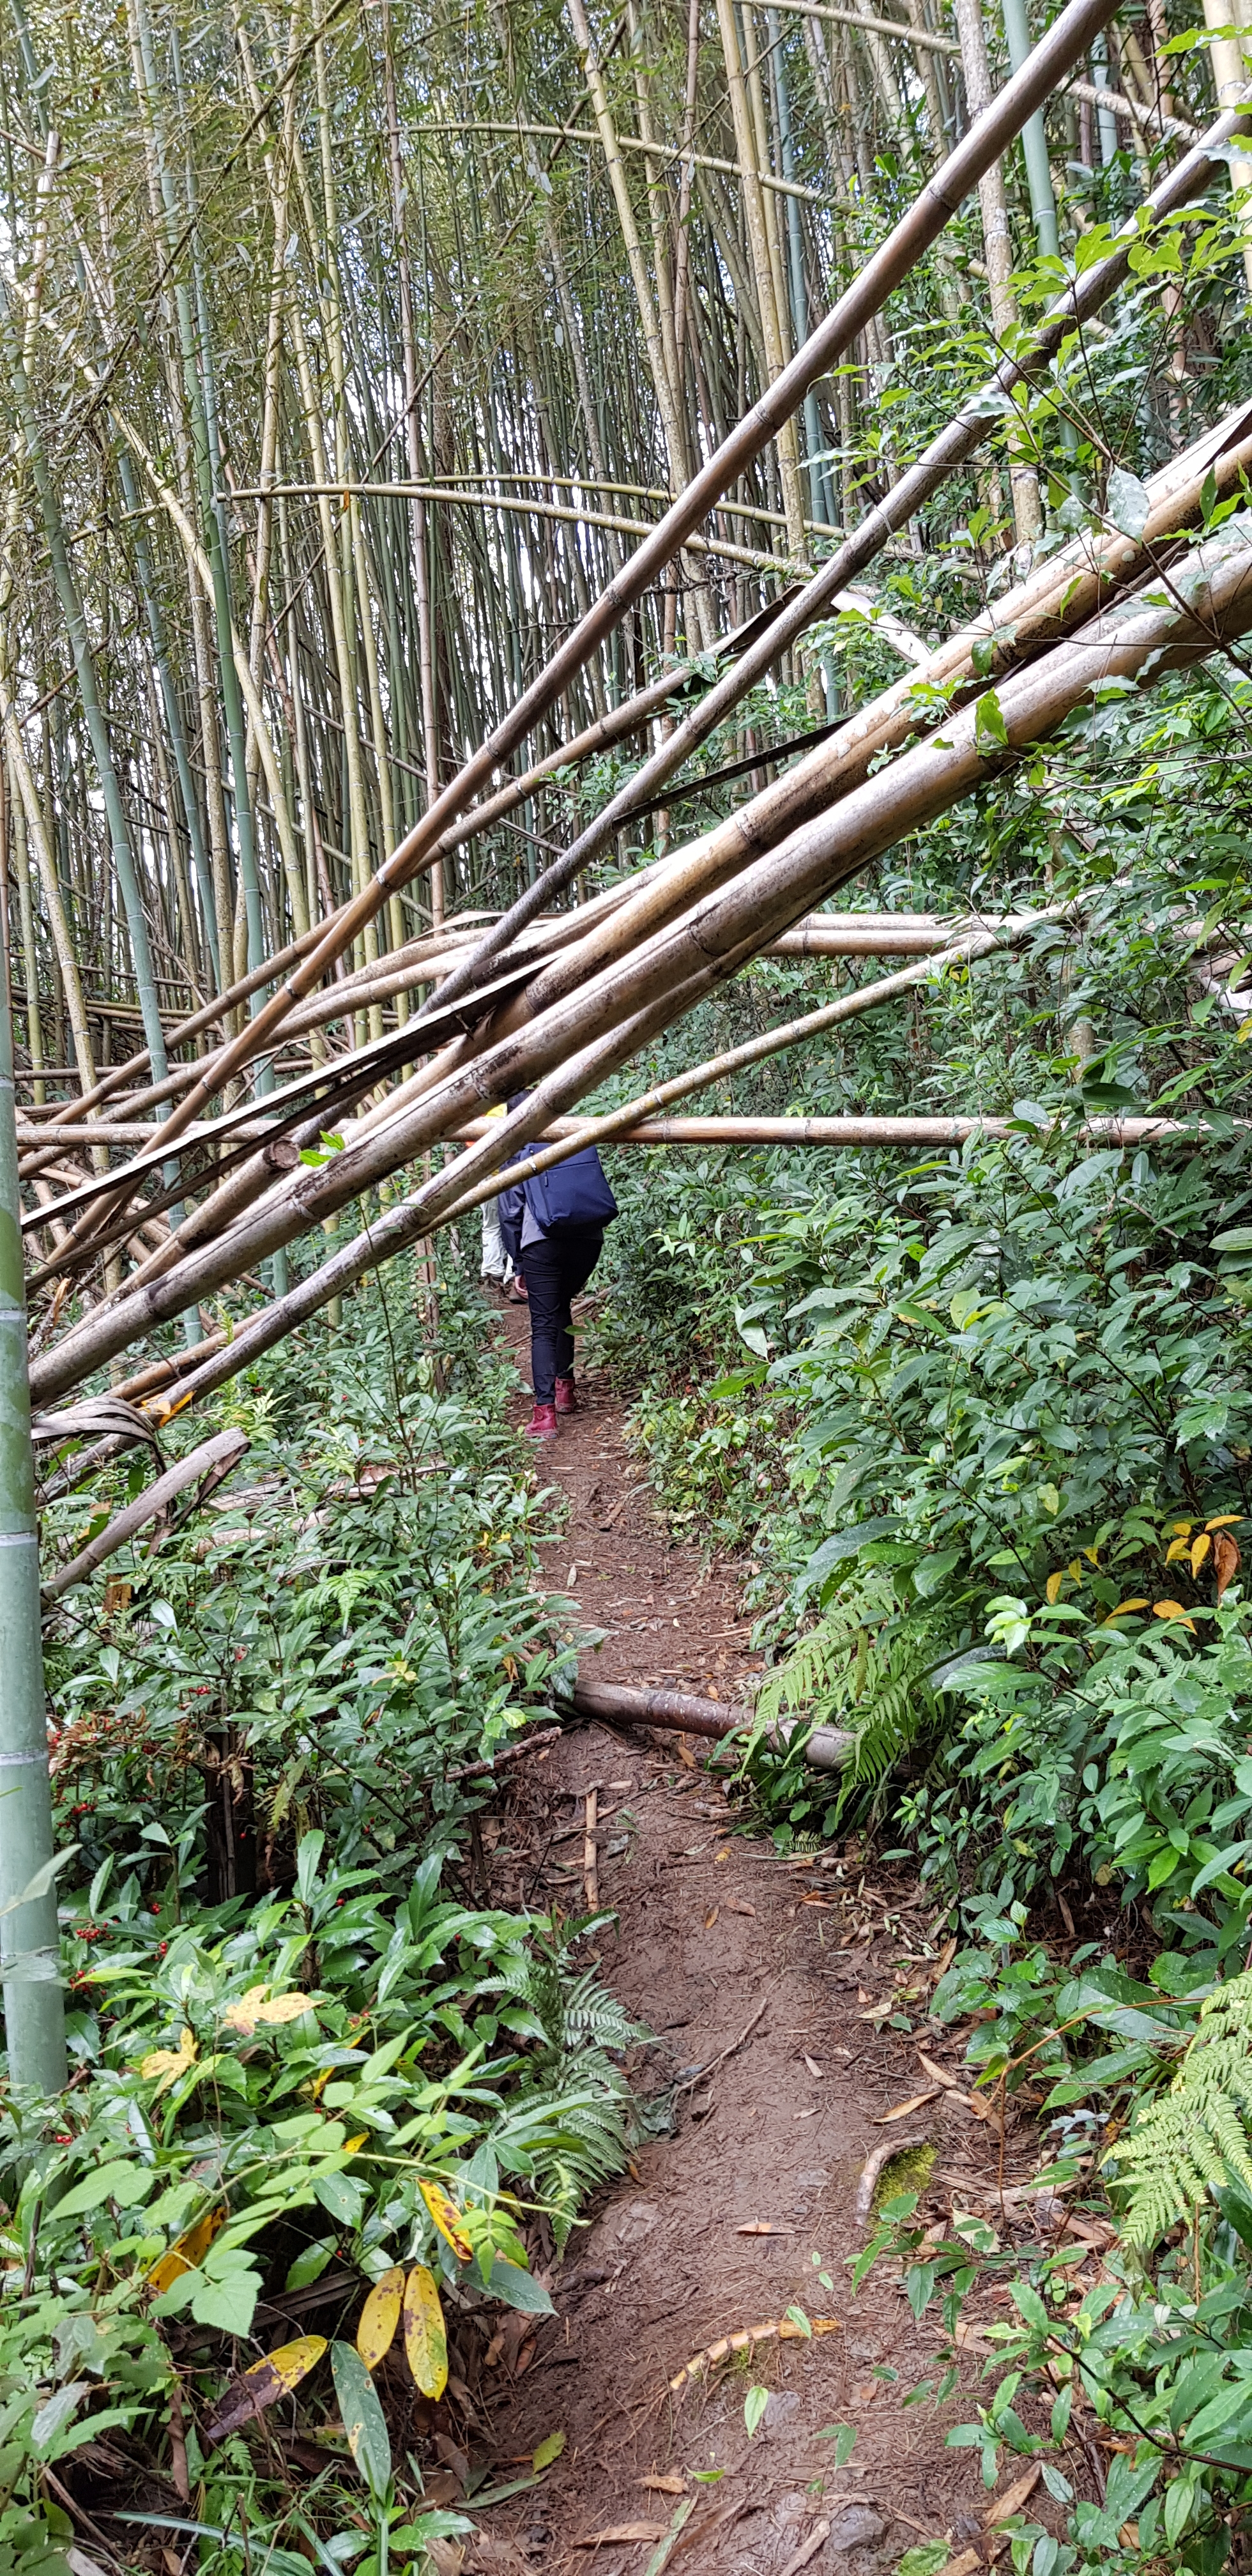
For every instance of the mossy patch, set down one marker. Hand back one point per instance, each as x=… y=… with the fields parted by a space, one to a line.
x=909 y=2171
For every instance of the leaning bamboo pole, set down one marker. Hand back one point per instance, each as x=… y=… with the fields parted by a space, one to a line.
x=1208 y=600
x=953 y=446
x=1055 y=598
x=1057 y=53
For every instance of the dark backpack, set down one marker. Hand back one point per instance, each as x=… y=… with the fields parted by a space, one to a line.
x=573 y=1193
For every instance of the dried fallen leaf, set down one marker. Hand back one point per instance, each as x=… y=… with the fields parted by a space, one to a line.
x=447 y=2218
x=711 y=1917
x=379 y=2317
x=937 y=2074
x=259 y=2386
x=944 y=1961
x=1014 y=2497
x=425 y=2340
x=1226 y=1560
x=736 y=1905
x=761 y=2227
x=812 y=2065
x=720 y=1859
x=902 y=2110
x=664 y=2486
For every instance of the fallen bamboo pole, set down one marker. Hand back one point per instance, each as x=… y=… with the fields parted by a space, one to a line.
x=1058 y=52
x=827 y=1748
x=214 y=1458
x=577 y=1133
x=1208 y=601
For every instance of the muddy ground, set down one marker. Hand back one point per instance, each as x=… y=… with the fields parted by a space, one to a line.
x=787 y=2004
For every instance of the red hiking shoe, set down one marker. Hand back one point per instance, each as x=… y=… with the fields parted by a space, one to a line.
x=542 y=1423
x=567 y=1396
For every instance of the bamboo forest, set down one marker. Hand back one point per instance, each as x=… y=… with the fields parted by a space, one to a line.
x=626 y=1210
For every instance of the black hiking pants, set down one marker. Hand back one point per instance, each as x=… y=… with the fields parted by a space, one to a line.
x=554 y=1270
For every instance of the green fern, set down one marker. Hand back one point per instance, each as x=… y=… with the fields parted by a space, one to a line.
x=571 y=2124
x=1193 y=2138
x=866 y=1667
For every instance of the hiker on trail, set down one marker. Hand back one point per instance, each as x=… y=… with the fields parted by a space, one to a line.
x=553 y=1227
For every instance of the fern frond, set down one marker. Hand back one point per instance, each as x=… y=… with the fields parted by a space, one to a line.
x=826 y=1666
x=1193 y=2139
x=865 y=1666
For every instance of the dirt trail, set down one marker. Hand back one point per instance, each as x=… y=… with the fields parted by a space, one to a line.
x=765 y=1974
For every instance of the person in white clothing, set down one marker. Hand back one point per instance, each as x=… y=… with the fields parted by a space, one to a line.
x=496 y=1264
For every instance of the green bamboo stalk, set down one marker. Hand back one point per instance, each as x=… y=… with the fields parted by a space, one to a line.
x=34 y=2003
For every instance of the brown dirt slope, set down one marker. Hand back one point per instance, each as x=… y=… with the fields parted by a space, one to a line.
x=788 y=2005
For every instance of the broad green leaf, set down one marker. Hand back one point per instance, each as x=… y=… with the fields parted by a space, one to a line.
x=362 y=2417
x=127 y=2184
x=754 y=2406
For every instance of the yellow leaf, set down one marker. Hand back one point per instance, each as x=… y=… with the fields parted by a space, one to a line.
x=1177 y=1547
x=1199 y=1550
x=167 y=2064
x=253 y=2007
x=187 y=2252
x=281 y=2008
x=1092 y=1555
x=1054 y=1582
x=1172 y=1610
x=1181 y=1529
x=1224 y=1520
x=262 y=2383
x=379 y=2317
x=425 y=2341
x=352 y=2144
x=547 y=2451
x=242 y=2014
x=447 y=2218
x=1122 y=1608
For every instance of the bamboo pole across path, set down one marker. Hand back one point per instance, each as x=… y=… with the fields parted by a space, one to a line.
x=575 y=1133
x=1208 y=600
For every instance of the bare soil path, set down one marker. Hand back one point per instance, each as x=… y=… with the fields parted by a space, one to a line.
x=788 y=2004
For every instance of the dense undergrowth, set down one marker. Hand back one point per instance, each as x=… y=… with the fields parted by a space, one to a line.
x=979 y=1423
x=321 y=2097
